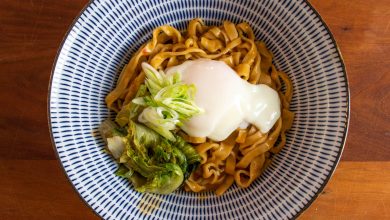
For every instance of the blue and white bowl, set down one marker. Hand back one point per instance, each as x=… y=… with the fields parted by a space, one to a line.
x=102 y=40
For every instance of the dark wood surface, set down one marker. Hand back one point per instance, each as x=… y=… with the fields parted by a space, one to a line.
x=32 y=184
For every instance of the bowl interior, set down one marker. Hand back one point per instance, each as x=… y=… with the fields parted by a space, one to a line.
x=102 y=40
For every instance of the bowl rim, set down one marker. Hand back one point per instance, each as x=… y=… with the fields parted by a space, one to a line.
x=322 y=187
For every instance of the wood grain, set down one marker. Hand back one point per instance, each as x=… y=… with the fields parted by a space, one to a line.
x=362 y=31
x=38 y=189
x=31 y=32
x=357 y=190
x=32 y=184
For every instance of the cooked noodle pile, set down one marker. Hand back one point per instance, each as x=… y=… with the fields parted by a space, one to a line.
x=243 y=156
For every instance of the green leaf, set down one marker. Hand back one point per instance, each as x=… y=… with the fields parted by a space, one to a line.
x=142 y=135
x=159 y=165
x=124 y=172
x=164 y=182
x=180 y=159
x=107 y=128
x=151 y=162
x=155 y=80
x=169 y=104
x=192 y=156
x=131 y=110
x=116 y=146
x=180 y=98
x=160 y=120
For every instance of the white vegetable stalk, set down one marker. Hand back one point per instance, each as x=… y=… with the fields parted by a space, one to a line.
x=169 y=104
x=116 y=146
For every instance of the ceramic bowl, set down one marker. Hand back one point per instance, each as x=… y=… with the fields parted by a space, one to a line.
x=107 y=33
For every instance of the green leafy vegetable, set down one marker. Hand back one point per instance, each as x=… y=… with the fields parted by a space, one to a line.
x=131 y=110
x=150 y=155
x=187 y=149
x=112 y=135
x=170 y=102
x=180 y=98
x=180 y=159
x=124 y=172
x=116 y=146
x=151 y=162
x=155 y=81
x=192 y=157
x=165 y=181
x=160 y=120
x=107 y=128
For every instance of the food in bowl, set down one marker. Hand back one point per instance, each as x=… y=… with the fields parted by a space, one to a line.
x=203 y=109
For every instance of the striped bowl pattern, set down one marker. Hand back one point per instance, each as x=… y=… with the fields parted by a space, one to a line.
x=102 y=40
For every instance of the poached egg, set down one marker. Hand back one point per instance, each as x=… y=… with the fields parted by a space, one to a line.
x=228 y=101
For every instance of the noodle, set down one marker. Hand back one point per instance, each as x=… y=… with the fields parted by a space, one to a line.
x=245 y=153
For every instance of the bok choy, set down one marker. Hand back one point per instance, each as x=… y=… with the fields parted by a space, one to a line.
x=151 y=162
x=143 y=140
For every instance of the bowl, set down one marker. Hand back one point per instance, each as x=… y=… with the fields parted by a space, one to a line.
x=106 y=34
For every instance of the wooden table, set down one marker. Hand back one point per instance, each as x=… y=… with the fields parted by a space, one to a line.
x=32 y=184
